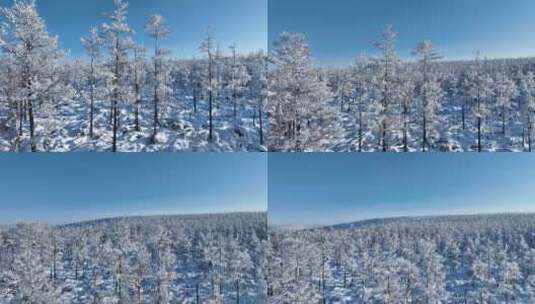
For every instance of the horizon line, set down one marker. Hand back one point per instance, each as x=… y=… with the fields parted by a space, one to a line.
x=117 y=217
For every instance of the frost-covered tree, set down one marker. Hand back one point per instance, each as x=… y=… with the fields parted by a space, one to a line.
x=387 y=64
x=361 y=92
x=238 y=80
x=207 y=46
x=157 y=29
x=34 y=55
x=259 y=89
x=505 y=91
x=117 y=35
x=93 y=44
x=527 y=101
x=301 y=118
x=139 y=78
x=429 y=88
x=480 y=90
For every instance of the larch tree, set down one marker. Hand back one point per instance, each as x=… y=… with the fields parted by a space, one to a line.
x=139 y=78
x=259 y=90
x=506 y=90
x=429 y=88
x=207 y=46
x=157 y=29
x=93 y=44
x=117 y=35
x=480 y=92
x=527 y=102
x=35 y=55
x=361 y=92
x=387 y=63
x=301 y=119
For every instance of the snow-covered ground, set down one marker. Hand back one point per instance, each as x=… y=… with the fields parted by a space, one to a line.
x=448 y=134
x=181 y=129
x=167 y=259
x=450 y=259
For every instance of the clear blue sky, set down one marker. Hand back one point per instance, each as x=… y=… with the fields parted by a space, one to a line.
x=59 y=188
x=339 y=30
x=240 y=21
x=322 y=189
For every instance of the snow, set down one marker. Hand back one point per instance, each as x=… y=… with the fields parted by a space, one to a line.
x=181 y=130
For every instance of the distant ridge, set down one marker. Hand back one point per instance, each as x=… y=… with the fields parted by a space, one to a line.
x=169 y=216
x=423 y=218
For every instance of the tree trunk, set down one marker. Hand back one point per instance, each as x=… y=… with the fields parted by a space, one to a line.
x=92 y=98
x=360 y=129
x=114 y=144
x=156 y=87
x=424 y=134
x=32 y=126
x=463 y=114
x=115 y=98
x=261 y=125
x=238 y=290
x=479 y=134
x=503 y=119
x=210 y=97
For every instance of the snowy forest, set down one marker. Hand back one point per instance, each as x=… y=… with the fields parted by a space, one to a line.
x=447 y=259
x=122 y=96
x=213 y=258
x=384 y=103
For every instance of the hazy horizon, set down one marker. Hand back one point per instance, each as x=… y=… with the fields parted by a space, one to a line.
x=328 y=189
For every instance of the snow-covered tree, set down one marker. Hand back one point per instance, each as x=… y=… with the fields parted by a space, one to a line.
x=157 y=29
x=387 y=64
x=301 y=118
x=505 y=91
x=207 y=46
x=93 y=44
x=117 y=35
x=34 y=55
x=429 y=88
x=527 y=101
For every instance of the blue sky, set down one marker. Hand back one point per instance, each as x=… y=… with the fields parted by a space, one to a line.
x=60 y=188
x=240 y=21
x=323 y=189
x=338 y=30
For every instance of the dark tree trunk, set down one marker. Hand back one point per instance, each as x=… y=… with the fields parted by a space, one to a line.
x=32 y=126
x=503 y=119
x=479 y=134
x=238 y=290
x=424 y=134
x=92 y=98
x=261 y=131
x=210 y=97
